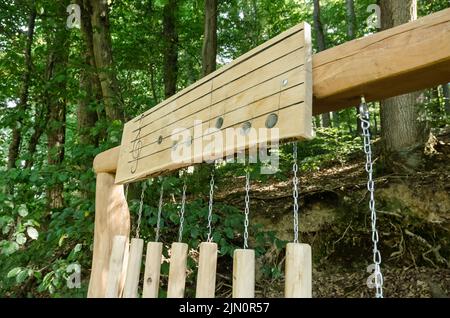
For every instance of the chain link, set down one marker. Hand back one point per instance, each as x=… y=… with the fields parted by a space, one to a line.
x=295 y=191
x=183 y=204
x=141 y=203
x=158 y=220
x=247 y=206
x=210 y=205
x=365 y=126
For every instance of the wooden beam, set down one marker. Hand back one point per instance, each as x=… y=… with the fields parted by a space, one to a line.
x=205 y=121
x=407 y=58
x=111 y=218
x=106 y=161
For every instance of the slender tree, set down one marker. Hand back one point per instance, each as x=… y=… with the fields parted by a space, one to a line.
x=14 y=146
x=170 y=39
x=351 y=34
x=209 y=50
x=101 y=42
x=402 y=130
x=89 y=82
x=56 y=98
x=321 y=45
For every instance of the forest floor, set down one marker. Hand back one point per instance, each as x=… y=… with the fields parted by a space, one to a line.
x=414 y=225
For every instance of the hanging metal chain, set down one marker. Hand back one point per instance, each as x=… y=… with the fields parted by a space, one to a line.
x=126 y=191
x=247 y=206
x=365 y=126
x=141 y=203
x=183 y=204
x=295 y=191
x=210 y=205
x=158 y=220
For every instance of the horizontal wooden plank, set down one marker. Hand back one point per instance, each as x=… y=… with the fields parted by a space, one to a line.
x=229 y=73
x=254 y=85
x=269 y=80
x=162 y=162
x=403 y=59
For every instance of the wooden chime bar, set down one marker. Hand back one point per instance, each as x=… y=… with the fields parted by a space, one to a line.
x=133 y=269
x=207 y=264
x=177 y=270
x=153 y=260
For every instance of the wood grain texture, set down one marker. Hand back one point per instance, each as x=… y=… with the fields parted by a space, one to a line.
x=244 y=273
x=111 y=218
x=177 y=270
x=153 y=260
x=273 y=78
x=117 y=266
x=298 y=281
x=130 y=289
x=206 y=275
x=406 y=58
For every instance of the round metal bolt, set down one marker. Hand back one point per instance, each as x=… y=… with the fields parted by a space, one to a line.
x=219 y=122
x=246 y=128
x=271 y=120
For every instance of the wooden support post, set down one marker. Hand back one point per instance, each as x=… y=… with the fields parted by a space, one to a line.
x=117 y=265
x=244 y=273
x=298 y=271
x=207 y=265
x=133 y=269
x=152 y=270
x=177 y=270
x=111 y=218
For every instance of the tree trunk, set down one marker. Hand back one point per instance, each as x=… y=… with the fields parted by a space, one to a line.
x=89 y=84
x=104 y=61
x=351 y=34
x=38 y=129
x=14 y=147
x=56 y=74
x=209 y=50
x=351 y=19
x=402 y=131
x=446 y=94
x=170 y=38
x=321 y=46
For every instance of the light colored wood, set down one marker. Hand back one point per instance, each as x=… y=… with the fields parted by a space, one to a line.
x=111 y=218
x=406 y=58
x=244 y=273
x=106 y=161
x=298 y=273
x=133 y=269
x=274 y=74
x=207 y=266
x=117 y=261
x=177 y=270
x=153 y=261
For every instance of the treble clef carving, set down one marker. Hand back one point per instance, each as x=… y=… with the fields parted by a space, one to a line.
x=137 y=146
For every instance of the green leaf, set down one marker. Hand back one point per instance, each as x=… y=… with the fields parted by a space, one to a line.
x=77 y=248
x=22 y=276
x=62 y=177
x=21 y=238
x=14 y=272
x=32 y=233
x=23 y=211
x=9 y=248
